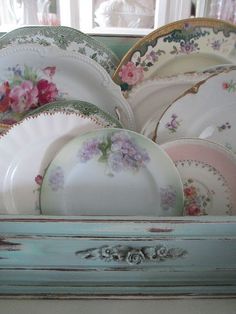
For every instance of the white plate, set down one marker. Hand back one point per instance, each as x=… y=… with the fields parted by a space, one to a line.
x=210 y=113
x=65 y=38
x=151 y=98
x=32 y=75
x=179 y=47
x=28 y=147
x=112 y=172
x=208 y=172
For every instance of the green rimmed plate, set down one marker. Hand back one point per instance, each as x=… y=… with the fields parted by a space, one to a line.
x=65 y=38
x=32 y=75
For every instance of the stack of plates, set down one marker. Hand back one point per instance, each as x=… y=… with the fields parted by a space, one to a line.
x=55 y=85
x=156 y=140
x=180 y=81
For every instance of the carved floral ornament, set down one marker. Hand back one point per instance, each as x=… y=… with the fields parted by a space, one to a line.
x=130 y=255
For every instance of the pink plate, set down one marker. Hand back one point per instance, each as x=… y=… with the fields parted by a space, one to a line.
x=208 y=173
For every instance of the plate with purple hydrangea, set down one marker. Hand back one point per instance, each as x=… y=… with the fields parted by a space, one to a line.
x=112 y=172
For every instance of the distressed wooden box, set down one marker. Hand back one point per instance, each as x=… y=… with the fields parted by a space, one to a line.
x=117 y=256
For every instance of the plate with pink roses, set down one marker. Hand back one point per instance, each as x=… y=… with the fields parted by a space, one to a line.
x=32 y=76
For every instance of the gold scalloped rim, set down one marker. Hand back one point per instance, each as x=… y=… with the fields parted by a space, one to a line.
x=166 y=29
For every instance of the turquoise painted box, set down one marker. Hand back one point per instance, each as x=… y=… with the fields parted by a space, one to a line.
x=138 y=256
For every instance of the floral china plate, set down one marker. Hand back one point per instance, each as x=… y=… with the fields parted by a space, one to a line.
x=112 y=172
x=179 y=47
x=65 y=38
x=152 y=97
x=29 y=146
x=207 y=111
x=208 y=173
x=32 y=75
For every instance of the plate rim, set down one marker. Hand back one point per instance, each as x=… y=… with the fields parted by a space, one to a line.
x=52 y=33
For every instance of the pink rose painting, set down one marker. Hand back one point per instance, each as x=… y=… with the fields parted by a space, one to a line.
x=23 y=97
x=131 y=74
x=26 y=89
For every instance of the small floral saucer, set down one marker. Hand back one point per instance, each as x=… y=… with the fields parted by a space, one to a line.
x=112 y=172
x=208 y=173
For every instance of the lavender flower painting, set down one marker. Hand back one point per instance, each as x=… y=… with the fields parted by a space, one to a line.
x=118 y=151
x=173 y=125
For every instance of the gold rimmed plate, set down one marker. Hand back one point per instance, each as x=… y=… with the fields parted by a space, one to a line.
x=179 y=47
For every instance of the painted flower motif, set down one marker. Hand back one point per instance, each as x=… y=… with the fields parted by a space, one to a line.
x=229 y=86
x=173 y=125
x=90 y=150
x=26 y=89
x=23 y=97
x=39 y=179
x=47 y=92
x=4 y=96
x=225 y=85
x=135 y=257
x=131 y=74
x=192 y=210
x=168 y=197
x=190 y=191
x=216 y=44
x=188 y=47
x=56 y=179
x=152 y=56
x=196 y=200
x=118 y=151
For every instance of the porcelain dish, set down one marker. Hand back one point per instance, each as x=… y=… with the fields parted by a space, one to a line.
x=179 y=47
x=208 y=113
x=111 y=172
x=46 y=74
x=208 y=173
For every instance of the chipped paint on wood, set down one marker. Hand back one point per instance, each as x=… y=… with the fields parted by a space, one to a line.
x=160 y=230
x=38 y=255
x=9 y=246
